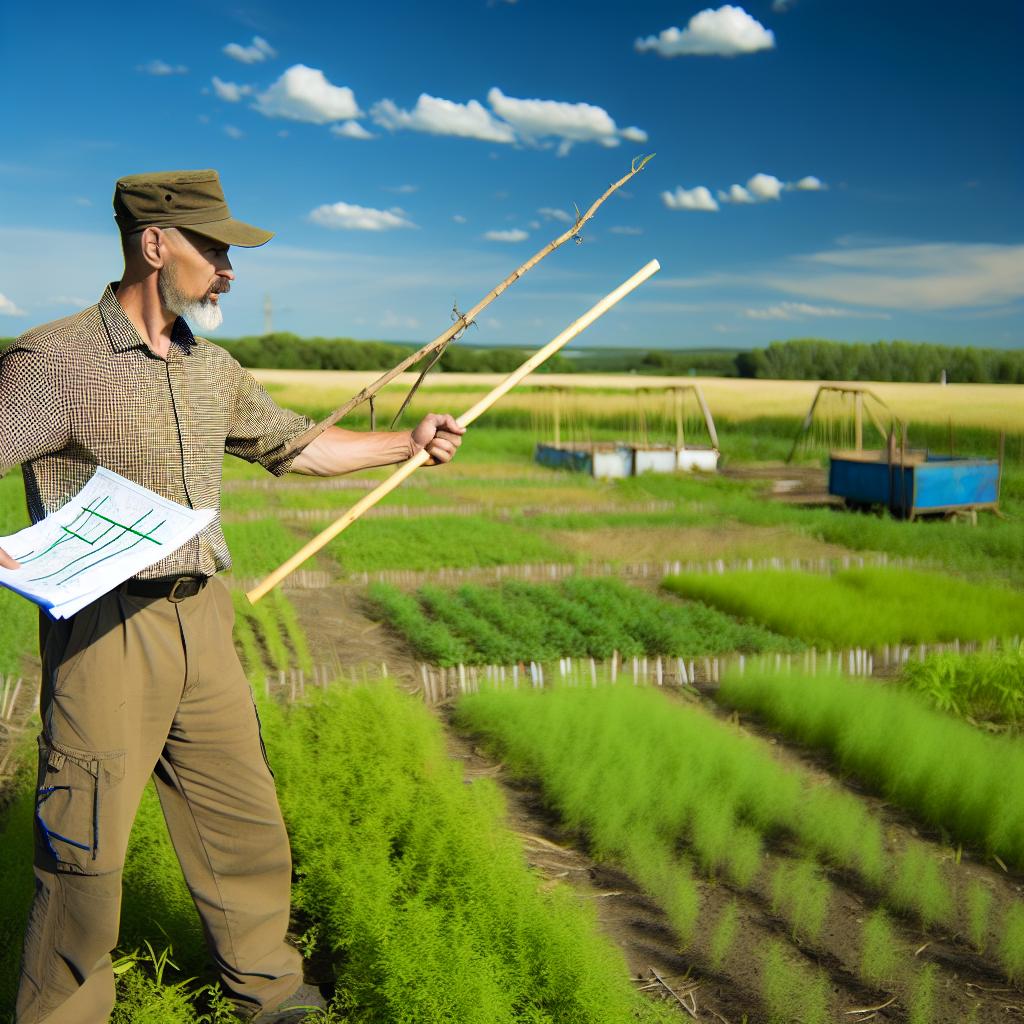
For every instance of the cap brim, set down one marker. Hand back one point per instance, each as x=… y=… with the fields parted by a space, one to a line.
x=232 y=232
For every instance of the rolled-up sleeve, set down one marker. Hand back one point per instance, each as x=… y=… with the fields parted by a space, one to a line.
x=33 y=421
x=260 y=429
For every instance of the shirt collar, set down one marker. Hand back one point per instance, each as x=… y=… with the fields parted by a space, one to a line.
x=122 y=333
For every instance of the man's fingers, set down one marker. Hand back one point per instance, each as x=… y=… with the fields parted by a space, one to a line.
x=6 y=562
x=441 y=449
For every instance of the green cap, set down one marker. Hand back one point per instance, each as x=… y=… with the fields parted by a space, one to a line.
x=181 y=199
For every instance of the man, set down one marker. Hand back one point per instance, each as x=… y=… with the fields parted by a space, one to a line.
x=145 y=681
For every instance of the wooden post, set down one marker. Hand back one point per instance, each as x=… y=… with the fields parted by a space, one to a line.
x=858 y=420
x=680 y=441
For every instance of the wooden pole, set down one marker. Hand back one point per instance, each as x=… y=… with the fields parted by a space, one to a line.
x=858 y=420
x=462 y=322
x=474 y=412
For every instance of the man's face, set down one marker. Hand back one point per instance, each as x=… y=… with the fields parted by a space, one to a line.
x=193 y=279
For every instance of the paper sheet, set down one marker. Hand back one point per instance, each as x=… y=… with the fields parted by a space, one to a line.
x=110 y=531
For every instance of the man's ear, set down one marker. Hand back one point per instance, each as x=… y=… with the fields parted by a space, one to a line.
x=155 y=247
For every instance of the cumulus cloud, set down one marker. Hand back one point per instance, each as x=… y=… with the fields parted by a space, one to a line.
x=402 y=190
x=512 y=235
x=765 y=187
x=534 y=120
x=259 y=50
x=231 y=92
x=161 y=67
x=438 y=116
x=699 y=198
x=348 y=217
x=553 y=214
x=8 y=308
x=801 y=310
x=736 y=194
x=945 y=275
x=625 y=229
x=725 y=32
x=459 y=218
x=232 y=132
x=781 y=6
x=351 y=130
x=808 y=184
x=305 y=94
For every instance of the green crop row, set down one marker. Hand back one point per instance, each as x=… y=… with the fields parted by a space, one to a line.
x=862 y=607
x=987 y=686
x=607 y=759
x=520 y=622
x=408 y=885
x=952 y=776
x=18 y=617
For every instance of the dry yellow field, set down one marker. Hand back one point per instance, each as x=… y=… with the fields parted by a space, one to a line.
x=997 y=406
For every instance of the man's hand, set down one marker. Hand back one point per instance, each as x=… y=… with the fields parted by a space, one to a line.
x=6 y=562
x=440 y=435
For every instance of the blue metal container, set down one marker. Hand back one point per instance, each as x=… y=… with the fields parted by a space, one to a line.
x=922 y=484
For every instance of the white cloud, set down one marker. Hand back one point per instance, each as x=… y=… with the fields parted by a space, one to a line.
x=351 y=130
x=942 y=275
x=304 y=94
x=231 y=92
x=161 y=68
x=553 y=214
x=259 y=51
x=402 y=190
x=725 y=32
x=232 y=132
x=534 y=120
x=8 y=308
x=347 y=217
x=459 y=218
x=781 y=6
x=512 y=235
x=736 y=194
x=699 y=198
x=625 y=229
x=765 y=187
x=809 y=184
x=438 y=116
x=800 y=310
x=392 y=320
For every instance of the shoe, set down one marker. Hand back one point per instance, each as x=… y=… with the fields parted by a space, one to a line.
x=305 y=1001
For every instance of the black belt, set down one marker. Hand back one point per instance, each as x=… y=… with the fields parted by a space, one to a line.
x=174 y=589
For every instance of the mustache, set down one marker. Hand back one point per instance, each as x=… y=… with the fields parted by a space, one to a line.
x=221 y=289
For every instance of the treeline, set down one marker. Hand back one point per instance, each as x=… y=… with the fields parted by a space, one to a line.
x=284 y=351
x=814 y=359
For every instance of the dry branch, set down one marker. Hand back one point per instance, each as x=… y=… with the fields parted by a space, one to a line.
x=462 y=322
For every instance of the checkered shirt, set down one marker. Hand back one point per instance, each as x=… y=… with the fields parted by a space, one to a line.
x=87 y=391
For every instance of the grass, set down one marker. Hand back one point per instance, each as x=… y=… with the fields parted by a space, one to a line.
x=407 y=883
x=440 y=542
x=979 y=900
x=1011 y=944
x=861 y=607
x=801 y=895
x=792 y=993
x=955 y=778
x=519 y=622
x=880 y=953
x=987 y=686
x=724 y=936
x=605 y=757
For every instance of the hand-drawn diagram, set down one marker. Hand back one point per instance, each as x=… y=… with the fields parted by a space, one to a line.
x=111 y=530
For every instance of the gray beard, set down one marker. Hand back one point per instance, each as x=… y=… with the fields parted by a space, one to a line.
x=202 y=313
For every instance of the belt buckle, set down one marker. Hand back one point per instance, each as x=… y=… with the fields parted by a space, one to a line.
x=174 y=597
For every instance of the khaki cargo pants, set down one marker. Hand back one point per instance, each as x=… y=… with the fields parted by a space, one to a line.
x=135 y=687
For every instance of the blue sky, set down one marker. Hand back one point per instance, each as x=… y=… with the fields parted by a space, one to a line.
x=875 y=149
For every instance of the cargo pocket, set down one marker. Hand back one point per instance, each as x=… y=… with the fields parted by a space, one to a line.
x=72 y=790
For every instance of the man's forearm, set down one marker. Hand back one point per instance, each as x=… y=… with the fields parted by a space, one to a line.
x=338 y=451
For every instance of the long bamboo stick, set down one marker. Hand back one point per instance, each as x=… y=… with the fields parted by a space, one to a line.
x=408 y=468
x=462 y=322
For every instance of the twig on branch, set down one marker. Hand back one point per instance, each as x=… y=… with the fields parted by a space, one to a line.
x=463 y=322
